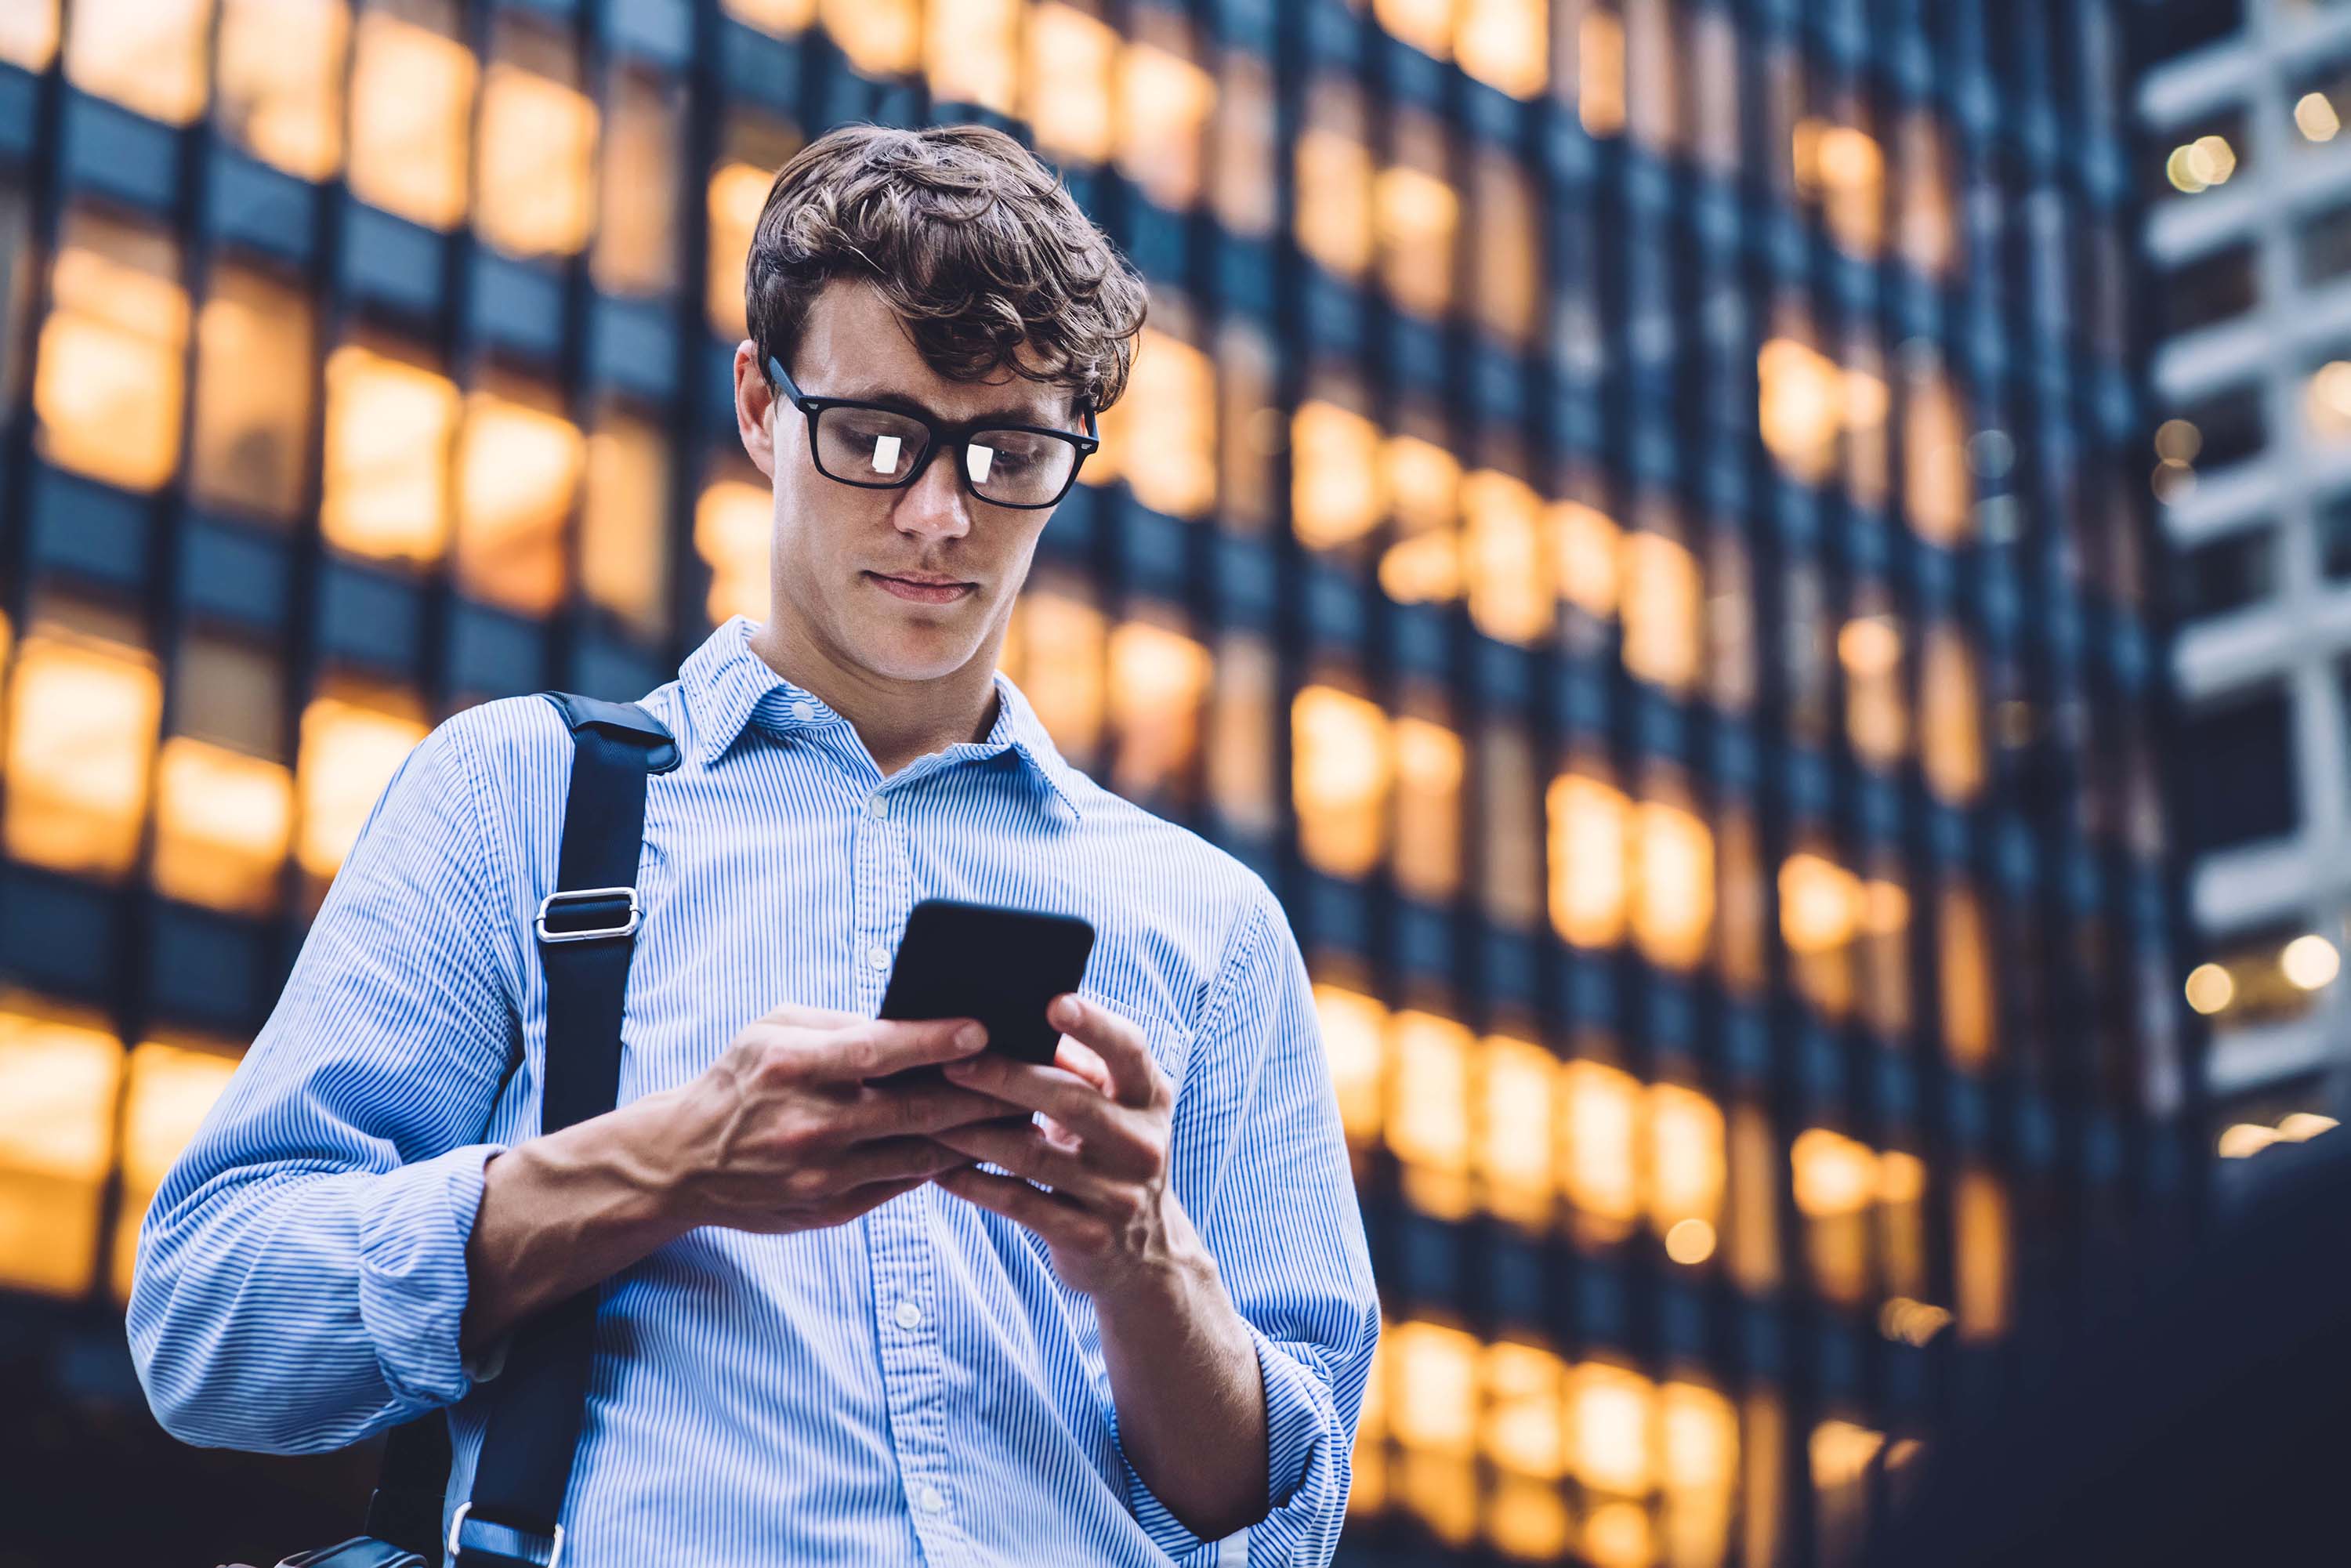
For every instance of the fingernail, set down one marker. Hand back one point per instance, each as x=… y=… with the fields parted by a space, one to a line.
x=1065 y=1010
x=970 y=1036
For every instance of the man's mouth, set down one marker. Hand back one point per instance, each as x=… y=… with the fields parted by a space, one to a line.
x=922 y=589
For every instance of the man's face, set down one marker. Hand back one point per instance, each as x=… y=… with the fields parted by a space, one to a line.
x=842 y=554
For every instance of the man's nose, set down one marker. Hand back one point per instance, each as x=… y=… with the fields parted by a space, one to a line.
x=936 y=503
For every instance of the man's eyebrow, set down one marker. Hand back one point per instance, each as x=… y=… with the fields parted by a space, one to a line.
x=1009 y=413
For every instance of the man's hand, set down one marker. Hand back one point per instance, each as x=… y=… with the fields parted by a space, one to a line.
x=783 y=1133
x=1110 y=1220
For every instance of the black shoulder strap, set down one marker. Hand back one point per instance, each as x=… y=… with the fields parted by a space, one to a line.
x=586 y=933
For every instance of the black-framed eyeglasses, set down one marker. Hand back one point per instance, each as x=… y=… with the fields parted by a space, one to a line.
x=879 y=446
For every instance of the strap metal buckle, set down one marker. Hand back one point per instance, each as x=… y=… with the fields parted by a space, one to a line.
x=586 y=895
x=519 y=1550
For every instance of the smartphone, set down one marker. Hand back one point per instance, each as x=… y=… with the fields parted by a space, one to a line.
x=998 y=965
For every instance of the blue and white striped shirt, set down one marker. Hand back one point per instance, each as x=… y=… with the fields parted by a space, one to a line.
x=916 y=1386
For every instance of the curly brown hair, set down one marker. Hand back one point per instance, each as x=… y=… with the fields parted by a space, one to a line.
x=974 y=242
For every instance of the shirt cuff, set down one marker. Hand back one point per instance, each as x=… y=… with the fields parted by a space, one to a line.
x=1297 y=1413
x=412 y=1285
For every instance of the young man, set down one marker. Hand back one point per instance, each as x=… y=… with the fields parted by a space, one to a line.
x=825 y=1335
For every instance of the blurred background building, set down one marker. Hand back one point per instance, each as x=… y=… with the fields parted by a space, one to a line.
x=2248 y=178
x=1633 y=514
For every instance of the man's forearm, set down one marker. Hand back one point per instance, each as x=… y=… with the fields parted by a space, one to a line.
x=1190 y=1396
x=566 y=1211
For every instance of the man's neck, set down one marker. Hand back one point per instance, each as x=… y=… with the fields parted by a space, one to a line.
x=897 y=720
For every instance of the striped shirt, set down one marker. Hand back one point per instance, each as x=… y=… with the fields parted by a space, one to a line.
x=915 y=1386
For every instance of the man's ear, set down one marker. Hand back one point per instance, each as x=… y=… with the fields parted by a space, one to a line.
x=755 y=407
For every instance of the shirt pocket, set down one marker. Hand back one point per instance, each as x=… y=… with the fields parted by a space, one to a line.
x=1170 y=1042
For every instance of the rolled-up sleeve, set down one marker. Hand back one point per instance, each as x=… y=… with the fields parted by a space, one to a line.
x=300 y=1276
x=1260 y=1163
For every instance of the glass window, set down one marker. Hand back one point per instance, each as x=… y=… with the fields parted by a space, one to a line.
x=1158 y=685
x=1243 y=708
x=1250 y=431
x=1652 y=95
x=412 y=111
x=2192 y=159
x=1165 y=100
x=281 y=81
x=60 y=1072
x=110 y=371
x=1164 y=426
x=1821 y=908
x=755 y=146
x=2230 y=573
x=1611 y=1443
x=2224 y=427
x=1417 y=215
x=1335 y=490
x=733 y=528
x=1355 y=1039
x=2323 y=243
x=1510 y=822
x=1841 y=167
x=1511 y=594
x=84 y=699
x=1068 y=98
x=256 y=344
x=1951 y=718
x=1982 y=1268
x=168 y=1087
x=1662 y=607
x=1963 y=956
x=1925 y=218
x=777 y=18
x=518 y=468
x=1861 y=1209
x=389 y=424
x=971 y=52
x=1592 y=42
x=1423 y=487
x=1433 y=1412
x=1936 y=492
x=149 y=56
x=2321 y=98
x=1425 y=24
x=1730 y=630
x=637 y=195
x=536 y=145
x=1504 y=43
x=1588 y=548
x=354 y=737
x=20 y=263
x=1802 y=406
x=1589 y=820
x=2239 y=770
x=1428 y=769
x=1062 y=655
x=1339 y=783
x=1506 y=260
x=28 y=34
x=2210 y=289
x=625 y=523
x=1514 y=1148
x=1334 y=176
x=1672 y=884
x=223 y=793
x=2326 y=400
x=1877 y=708
x=1242 y=183
x=881 y=37
x=1741 y=921
x=2333 y=529
x=1751 y=1252
x=1427 y=1122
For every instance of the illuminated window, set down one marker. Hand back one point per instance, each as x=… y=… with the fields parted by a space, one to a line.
x=1842 y=168
x=1503 y=558
x=109 y=379
x=1980 y=1254
x=971 y=52
x=778 y=18
x=281 y=81
x=224 y=794
x=1425 y=24
x=1427 y=1122
x=1069 y=103
x=1834 y=924
x=1807 y=402
x=1867 y=447
x=255 y=348
x=1599 y=73
x=1063 y=665
x=146 y=54
x=1432 y=1411
x=637 y=207
x=1662 y=608
x=1589 y=822
x=1599 y=1138
x=1423 y=487
x=1751 y=1250
x=1587 y=548
x=28 y=34
x=1335 y=489
x=1653 y=88
x=536 y=144
x=1740 y=923
x=1244 y=714
x=625 y=523
x=1926 y=219
x=1883 y=950
x=412 y=111
x=734 y=524
x=58 y=1076
x=1355 y=1038
x=881 y=37
x=1699 y=1465
x=166 y=1091
x=1935 y=486
x=1845 y=1190
x=1963 y=949
x=1515 y=1140
x=754 y=147
x=1506 y=260
x=1243 y=147
x=1950 y=722
x=390 y=425
x=1166 y=427
x=1249 y=430
x=1339 y=785
x=1611 y=1442
x=353 y=739
x=1524 y=1434
x=1429 y=768
x=1334 y=180
x=518 y=469
x=1416 y=216
x=1369 y=1494
x=1877 y=713
x=1159 y=684
x=1686 y=1171
x=1842 y=1454
x=1164 y=104
x=84 y=699
x=1672 y=884
x=1731 y=641
x=1503 y=43
x=1715 y=132
x=1511 y=822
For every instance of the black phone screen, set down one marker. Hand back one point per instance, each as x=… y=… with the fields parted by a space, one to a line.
x=998 y=965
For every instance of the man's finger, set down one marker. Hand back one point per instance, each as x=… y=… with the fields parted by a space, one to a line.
x=1064 y=1096
x=924 y=1106
x=1073 y=1055
x=1026 y=1153
x=802 y=1016
x=897 y=1159
x=878 y=1046
x=1133 y=1075
x=1057 y=1219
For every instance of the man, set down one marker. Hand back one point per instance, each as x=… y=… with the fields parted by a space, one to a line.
x=827 y=1334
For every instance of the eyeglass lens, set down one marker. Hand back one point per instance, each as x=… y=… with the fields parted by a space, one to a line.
x=876 y=447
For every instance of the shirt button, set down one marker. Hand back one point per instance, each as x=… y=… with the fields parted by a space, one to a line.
x=931 y=1499
x=804 y=710
x=878 y=956
x=876 y=807
x=908 y=1314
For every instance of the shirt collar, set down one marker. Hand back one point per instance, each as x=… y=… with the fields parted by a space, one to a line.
x=728 y=687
